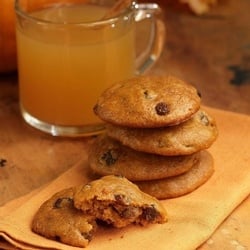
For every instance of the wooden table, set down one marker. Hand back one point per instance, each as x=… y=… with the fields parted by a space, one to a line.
x=211 y=51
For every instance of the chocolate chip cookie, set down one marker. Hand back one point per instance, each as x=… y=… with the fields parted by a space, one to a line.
x=193 y=135
x=118 y=202
x=58 y=219
x=180 y=185
x=148 y=101
x=110 y=157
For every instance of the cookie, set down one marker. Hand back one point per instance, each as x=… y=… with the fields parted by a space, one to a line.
x=58 y=219
x=183 y=184
x=118 y=202
x=193 y=135
x=148 y=101
x=110 y=157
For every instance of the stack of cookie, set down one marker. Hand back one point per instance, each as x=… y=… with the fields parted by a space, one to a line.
x=157 y=136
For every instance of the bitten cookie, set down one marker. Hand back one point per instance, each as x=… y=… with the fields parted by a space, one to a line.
x=148 y=101
x=179 y=185
x=118 y=202
x=58 y=219
x=110 y=157
x=195 y=134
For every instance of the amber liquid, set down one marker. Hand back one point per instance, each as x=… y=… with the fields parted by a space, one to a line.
x=61 y=74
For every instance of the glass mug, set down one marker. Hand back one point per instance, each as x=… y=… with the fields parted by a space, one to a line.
x=70 y=51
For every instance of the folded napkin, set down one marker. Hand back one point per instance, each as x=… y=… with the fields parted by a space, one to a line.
x=192 y=218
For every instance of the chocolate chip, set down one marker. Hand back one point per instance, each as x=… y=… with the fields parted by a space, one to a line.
x=162 y=108
x=63 y=202
x=149 y=213
x=110 y=157
x=128 y=212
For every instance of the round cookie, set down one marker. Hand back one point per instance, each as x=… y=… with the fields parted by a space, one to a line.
x=180 y=185
x=110 y=157
x=58 y=219
x=119 y=202
x=193 y=135
x=148 y=101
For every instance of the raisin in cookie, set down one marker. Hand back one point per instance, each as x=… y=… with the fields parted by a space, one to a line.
x=118 y=202
x=110 y=157
x=193 y=135
x=58 y=219
x=148 y=101
x=179 y=185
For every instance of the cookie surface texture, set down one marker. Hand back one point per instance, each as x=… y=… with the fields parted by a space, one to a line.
x=110 y=157
x=183 y=184
x=195 y=134
x=58 y=219
x=118 y=202
x=148 y=101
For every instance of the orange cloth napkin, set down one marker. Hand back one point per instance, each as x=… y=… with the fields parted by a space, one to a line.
x=192 y=218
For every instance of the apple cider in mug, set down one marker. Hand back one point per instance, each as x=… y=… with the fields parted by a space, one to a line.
x=62 y=72
x=70 y=51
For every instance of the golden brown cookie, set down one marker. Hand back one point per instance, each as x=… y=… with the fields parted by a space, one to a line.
x=148 y=101
x=179 y=185
x=110 y=157
x=58 y=219
x=117 y=201
x=191 y=136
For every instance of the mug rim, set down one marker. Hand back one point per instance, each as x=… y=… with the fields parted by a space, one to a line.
x=19 y=11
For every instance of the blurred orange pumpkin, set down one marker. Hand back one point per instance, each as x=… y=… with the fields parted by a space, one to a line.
x=8 y=57
x=7 y=37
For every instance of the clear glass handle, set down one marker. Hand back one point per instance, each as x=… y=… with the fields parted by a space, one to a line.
x=151 y=53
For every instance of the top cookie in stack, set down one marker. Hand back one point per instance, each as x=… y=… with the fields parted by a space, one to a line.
x=157 y=124
x=148 y=102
